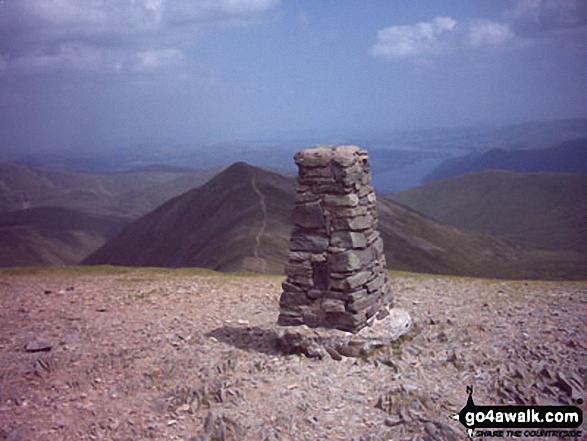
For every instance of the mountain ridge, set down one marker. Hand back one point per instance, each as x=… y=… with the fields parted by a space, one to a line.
x=568 y=157
x=216 y=226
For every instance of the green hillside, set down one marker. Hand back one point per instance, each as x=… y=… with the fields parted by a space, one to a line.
x=544 y=210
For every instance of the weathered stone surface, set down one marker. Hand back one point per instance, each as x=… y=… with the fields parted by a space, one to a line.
x=303 y=269
x=346 y=200
x=381 y=334
x=345 y=295
x=336 y=256
x=344 y=262
x=365 y=302
x=288 y=286
x=38 y=346
x=317 y=172
x=348 y=239
x=291 y=298
x=308 y=242
x=357 y=223
x=377 y=283
x=333 y=305
x=351 y=282
x=309 y=215
x=365 y=190
x=346 y=321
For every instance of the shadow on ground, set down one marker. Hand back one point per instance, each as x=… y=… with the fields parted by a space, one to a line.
x=249 y=338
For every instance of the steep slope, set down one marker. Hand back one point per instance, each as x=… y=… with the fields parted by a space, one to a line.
x=237 y=221
x=240 y=221
x=544 y=210
x=52 y=235
x=567 y=157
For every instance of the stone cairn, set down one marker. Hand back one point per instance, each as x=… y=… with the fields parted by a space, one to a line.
x=336 y=273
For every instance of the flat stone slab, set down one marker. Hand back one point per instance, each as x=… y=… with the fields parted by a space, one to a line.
x=38 y=346
x=321 y=343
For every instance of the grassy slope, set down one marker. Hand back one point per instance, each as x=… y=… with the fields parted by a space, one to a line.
x=545 y=210
x=52 y=235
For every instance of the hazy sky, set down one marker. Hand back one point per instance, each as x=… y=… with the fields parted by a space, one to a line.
x=77 y=73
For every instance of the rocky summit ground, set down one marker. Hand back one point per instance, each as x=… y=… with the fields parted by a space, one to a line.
x=105 y=354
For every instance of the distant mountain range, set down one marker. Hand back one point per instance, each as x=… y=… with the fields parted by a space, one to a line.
x=56 y=217
x=568 y=156
x=543 y=210
x=240 y=221
x=127 y=194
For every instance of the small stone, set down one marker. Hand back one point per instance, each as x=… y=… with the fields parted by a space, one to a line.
x=391 y=421
x=38 y=346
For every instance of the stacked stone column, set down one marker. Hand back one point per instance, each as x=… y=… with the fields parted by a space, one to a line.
x=336 y=273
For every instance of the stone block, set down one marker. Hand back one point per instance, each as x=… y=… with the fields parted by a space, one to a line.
x=352 y=282
x=350 y=260
x=333 y=305
x=362 y=303
x=356 y=223
x=294 y=298
x=309 y=215
x=345 y=321
x=313 y=243
x=349 y=212
x=316 y=294
x=288 y=286
x=347 y=296
x=345 y=261
x=377 y=283
x=365 y=190
x=317 y=172
x=345 y=200
x=301 y=269
x=348 y=239
x=289 y=317
x=331 y=188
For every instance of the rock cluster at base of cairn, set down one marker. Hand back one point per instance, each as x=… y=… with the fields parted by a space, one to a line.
x=336 y=273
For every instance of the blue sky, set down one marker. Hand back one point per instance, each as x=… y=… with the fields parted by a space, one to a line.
x=110 y=73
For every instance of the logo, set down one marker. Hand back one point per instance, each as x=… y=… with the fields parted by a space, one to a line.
x=517 y=421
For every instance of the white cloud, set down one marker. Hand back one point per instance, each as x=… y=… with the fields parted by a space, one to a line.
x=419 y=40
x=154 y=59
x=489 y=33
x=96 y=35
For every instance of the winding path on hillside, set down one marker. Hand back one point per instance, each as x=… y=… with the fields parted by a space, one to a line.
x=263 y=264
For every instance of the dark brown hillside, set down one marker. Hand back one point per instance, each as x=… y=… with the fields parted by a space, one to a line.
x=221 y=225
x=240 y=221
